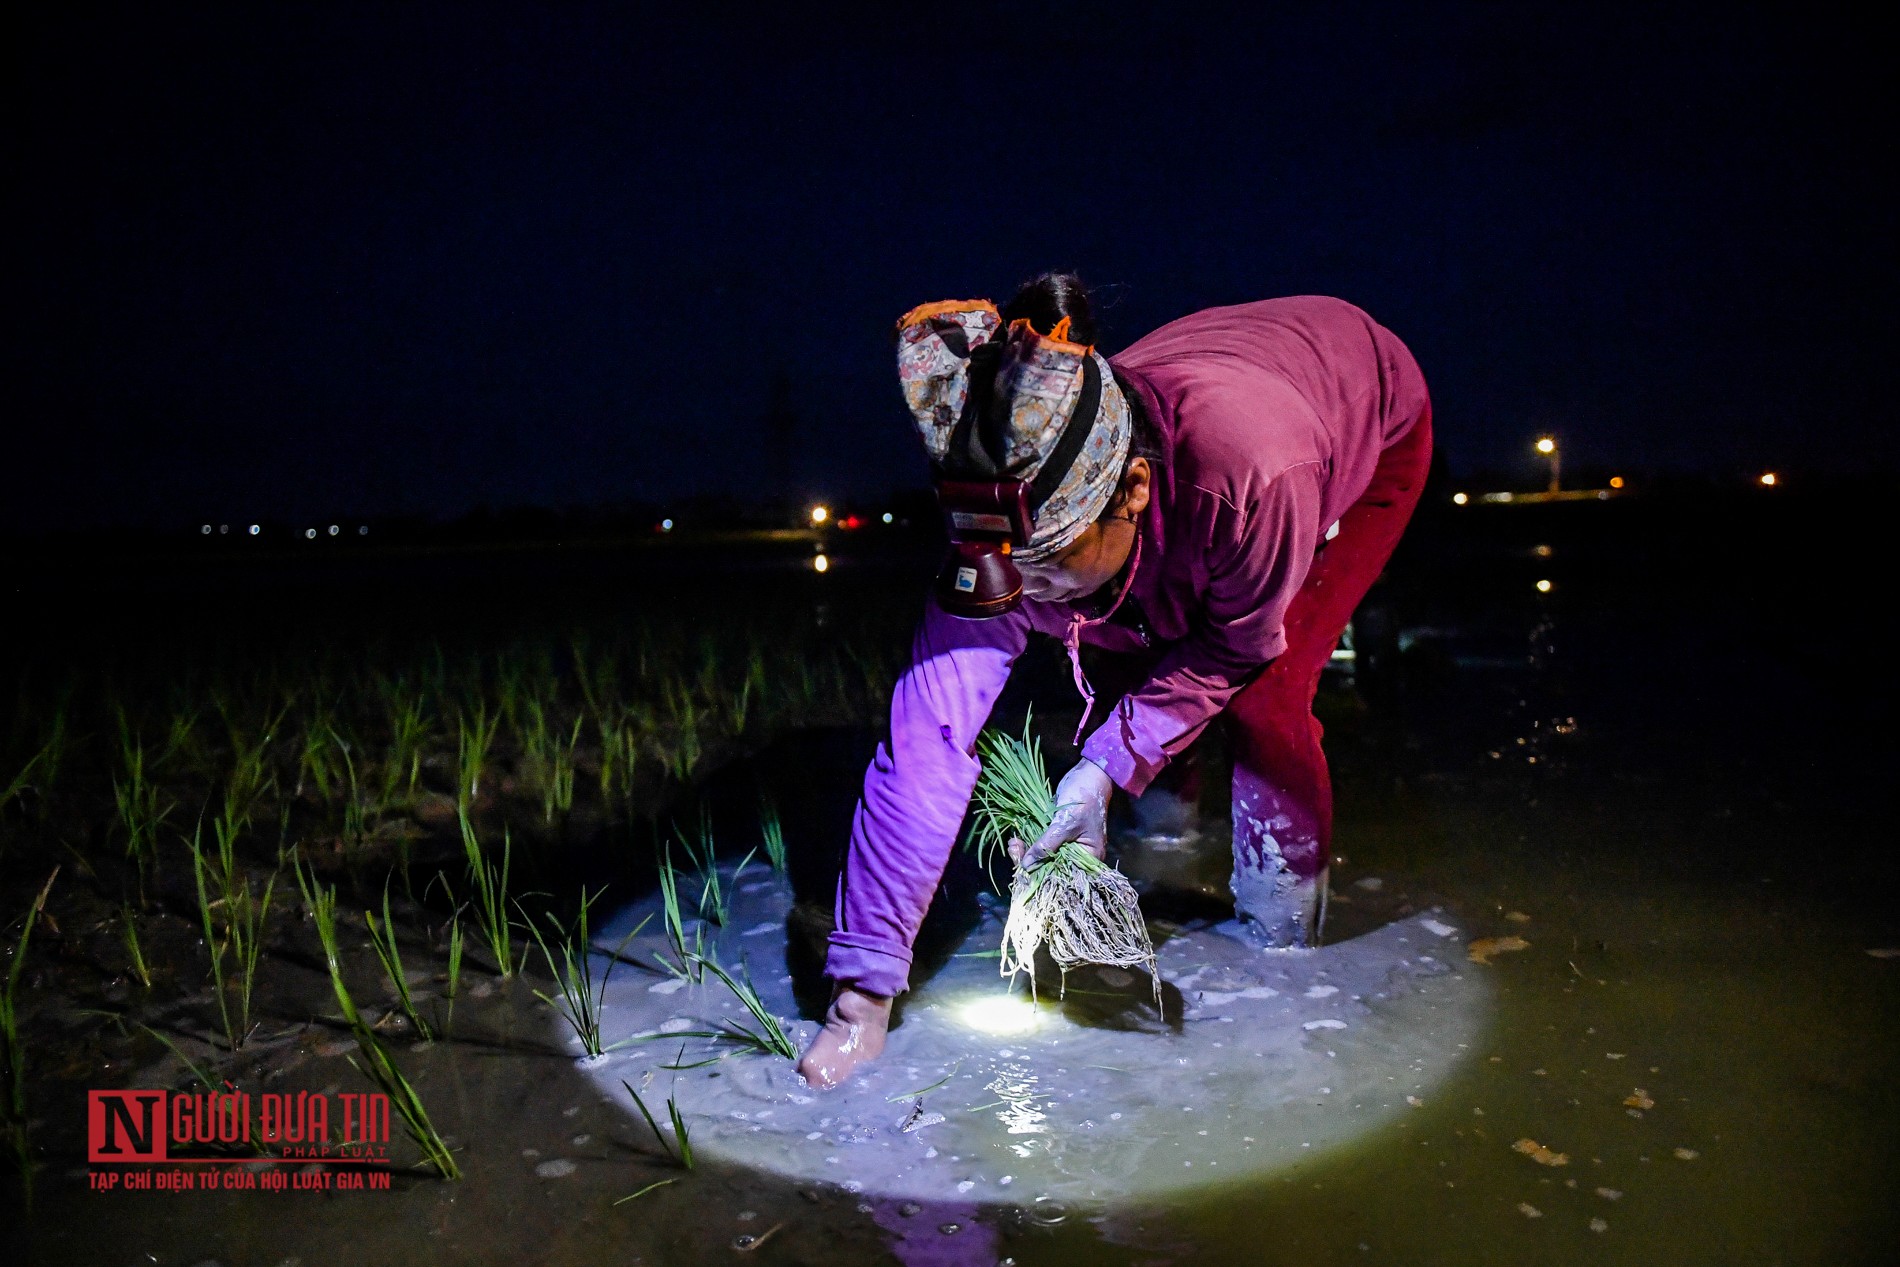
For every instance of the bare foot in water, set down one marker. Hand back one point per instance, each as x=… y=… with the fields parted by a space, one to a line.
x=854 y=1032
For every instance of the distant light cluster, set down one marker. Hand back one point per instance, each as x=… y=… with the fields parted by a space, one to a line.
x=257 y=530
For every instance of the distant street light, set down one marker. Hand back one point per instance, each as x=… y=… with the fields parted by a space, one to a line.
x=1616 y=481
x=1459 y=499
x=1547 y=445
x=819 y=514
x=1768 y=479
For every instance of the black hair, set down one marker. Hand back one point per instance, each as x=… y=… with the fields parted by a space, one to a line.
x=1049 y=297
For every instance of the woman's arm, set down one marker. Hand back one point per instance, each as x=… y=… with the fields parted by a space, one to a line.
x=1259 y=555
x=916 y=792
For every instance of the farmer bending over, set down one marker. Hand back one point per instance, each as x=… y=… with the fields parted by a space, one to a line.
x=1212 y=504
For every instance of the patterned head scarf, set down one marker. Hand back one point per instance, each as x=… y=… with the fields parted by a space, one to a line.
x=1020 y=390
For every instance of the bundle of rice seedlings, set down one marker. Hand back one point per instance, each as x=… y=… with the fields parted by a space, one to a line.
x=1080 y=908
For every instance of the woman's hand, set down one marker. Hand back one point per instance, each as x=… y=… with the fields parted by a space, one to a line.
x=1081 y=816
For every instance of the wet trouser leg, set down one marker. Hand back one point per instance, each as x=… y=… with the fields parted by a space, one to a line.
x=1283 y=793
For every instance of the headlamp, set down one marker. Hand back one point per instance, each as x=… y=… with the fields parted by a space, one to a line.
x=986 y=519
x=987 y=506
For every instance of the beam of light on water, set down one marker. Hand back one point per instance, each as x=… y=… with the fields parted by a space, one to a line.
x=1000 y=1014
x=1260 y=1063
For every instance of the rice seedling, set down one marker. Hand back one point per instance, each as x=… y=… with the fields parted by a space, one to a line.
x=408 y=730
x=1012 y=800
x=355 y=820
x=383 y=938
x=679 y=1150
x=226 y=829
x=737 y=871
x=283 y=833
x=196 y=1070
x=244 y=922
x=212 y=942
x=680 y=1062
x=252 y=777
x=511 y=686
x=548 y=760
x=1080 y=908
x=181 y=736
x=491 y=892
x=770 y=1035
x=597 y=677
x=531 y=737
x=134 y=952
x=474 y=736
x=12 y=1050
x=581 y=997
x=923 y=1091
x=455 y=970
x=753 y=683
x=377 y=1064
x=772 y=834
x=41 y=770
x=684 y=719
x=318 y=766
x=560 y=792
x=686 y=957
x=657 y=1183
x=599 y=682
x=45 y=762
x=619 y=753
x=20 y=781
x=141 y=805
x=53 y=754
x=714 y=900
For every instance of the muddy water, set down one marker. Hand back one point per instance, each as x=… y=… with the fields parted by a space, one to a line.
x=1753 y=1029
x=1688 y=838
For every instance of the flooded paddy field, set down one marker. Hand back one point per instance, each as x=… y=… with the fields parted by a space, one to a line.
x=1609 y=972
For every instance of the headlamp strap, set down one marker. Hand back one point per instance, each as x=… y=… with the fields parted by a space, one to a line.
x=981 y=435
x=1075 y=434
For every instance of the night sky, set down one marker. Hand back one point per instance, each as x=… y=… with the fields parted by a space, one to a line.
x=296 y=261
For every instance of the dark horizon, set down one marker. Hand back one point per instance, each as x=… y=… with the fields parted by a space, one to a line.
x=281 y=265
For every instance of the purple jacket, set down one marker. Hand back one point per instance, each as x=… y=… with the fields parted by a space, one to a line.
x=1271 y=417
